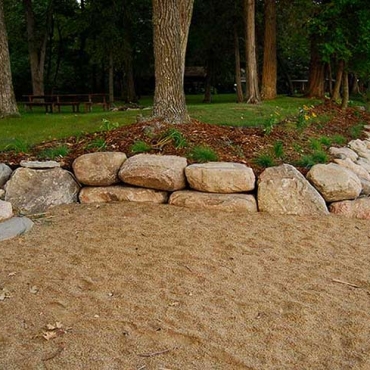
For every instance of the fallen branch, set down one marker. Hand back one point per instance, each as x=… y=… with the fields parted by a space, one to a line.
x=345 y=283
x=54 y=354
x=152 y=354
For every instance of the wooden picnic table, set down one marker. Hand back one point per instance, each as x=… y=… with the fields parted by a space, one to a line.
x=56 y=101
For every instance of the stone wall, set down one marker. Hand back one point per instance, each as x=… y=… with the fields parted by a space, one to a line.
x=341 y=187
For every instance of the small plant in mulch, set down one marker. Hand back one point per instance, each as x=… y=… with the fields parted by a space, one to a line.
x=108 y=125
x=18 y=146
x=203 y=154
x=309 y=160
x=53 y=153
x=98 y=143
x=357 y=130
x=140 y=146
x=264 y=160
x=279 y=149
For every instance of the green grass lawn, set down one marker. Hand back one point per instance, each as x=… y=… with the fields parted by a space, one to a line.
x=34 y=127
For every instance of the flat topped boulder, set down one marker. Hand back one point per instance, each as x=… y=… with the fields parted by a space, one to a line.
x=335 y=182
x=223 y=202
x=98 y=169
x=220 y=177
x=117 y=193
x=39 y=164
x=284 y=190
x=34 y=191
x=161 y=172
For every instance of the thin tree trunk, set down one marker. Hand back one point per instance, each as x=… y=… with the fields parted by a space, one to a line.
x=330 y=78
x=252 y=93
x=8 y=105
x=37 y=50
x=345 y=98
x=355 y=90
x=316 y=79
x=131 y=96
x=209 y=80
x=269 y=73
x=338 y=81
x=171 y=27
x=287 y=75
x=238 y=75
x=111 y=77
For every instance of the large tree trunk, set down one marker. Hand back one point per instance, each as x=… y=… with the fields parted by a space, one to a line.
x=252 y=93
x=171 y=23
x=338 y=81
x=37 y=49
x=8 y=105
x=316 y=79
x=269 y=73
x=238 y=75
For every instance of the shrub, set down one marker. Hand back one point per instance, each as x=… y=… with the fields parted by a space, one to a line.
x=19 y=146
x=98 y=143
x=279 y=149
x=356 y=131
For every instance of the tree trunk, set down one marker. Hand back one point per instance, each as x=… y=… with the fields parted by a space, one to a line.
x=111 y=77
x=269 y=73
x=8 y=105
x=252 y=93
x=338 y=81
x=316 y=79
x=209 y=79
x=130 y=91
x=330 y=78
x=287 y=75
x=37 y=49
x=355 y=89
x=171 y=23
x=238 y=75
x=345 y=98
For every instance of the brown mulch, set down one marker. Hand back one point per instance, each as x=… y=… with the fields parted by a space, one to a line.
x=231 y=144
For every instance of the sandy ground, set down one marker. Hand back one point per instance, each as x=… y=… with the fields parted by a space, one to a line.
x=132 y=286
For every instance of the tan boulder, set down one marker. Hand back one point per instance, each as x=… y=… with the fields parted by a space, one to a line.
x=284 y=190
x=98 y=169
x=161 y=172
x=355 y=168
x=121 y=193
x=223 y=202
x=34 y=191
x=334 y=182
x=343 y=153
x=358 y=208
x=360 y=147
x=220 y=177
x=6 y=210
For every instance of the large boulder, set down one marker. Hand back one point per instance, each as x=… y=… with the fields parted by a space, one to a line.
x=360 y=147
x=284 y=190
x=364 y=163
x=6 y=210
x=34 y=191
x=98 y=169
x=343 y=153
x=358 y=208
x=335 y=182
x=355 y=168
x=223 y=202
x=5 y=172
x=161 y=172
x=121 y=193
x=14 y=227
x=220 y=177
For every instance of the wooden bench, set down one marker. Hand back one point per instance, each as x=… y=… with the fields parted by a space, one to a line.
x=46 y=101
x=97 y=99
x=68 y=100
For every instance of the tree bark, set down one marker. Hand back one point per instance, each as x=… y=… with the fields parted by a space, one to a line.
x=238 y=75
x=37 y=50
x=171 y=23
x=111 y=77
x=252 y=93
x=316 y=79
x=209 y=79
x=269 y=72
x=8 y=105
x=345 y=84
x=338 y=81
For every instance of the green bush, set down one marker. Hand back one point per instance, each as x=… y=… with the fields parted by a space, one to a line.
x=264 y=160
